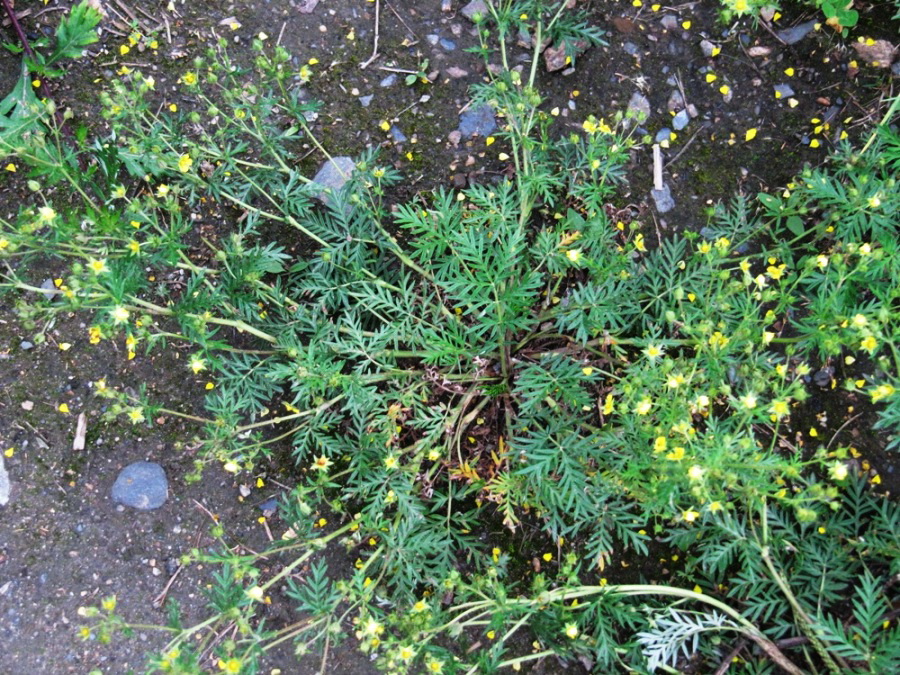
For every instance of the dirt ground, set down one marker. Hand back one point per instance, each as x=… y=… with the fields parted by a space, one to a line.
x=64 y=543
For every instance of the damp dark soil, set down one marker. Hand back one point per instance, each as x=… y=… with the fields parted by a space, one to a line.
x=65 y=544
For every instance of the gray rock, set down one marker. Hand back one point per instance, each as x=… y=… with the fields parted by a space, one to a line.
x=25 y=345
x=333 y=175
x=707 y=48
x=397 y=135
x=663 y=199
x=142 y=486
x=365 y=101
x=784 y=90
x=48 y=289
x=4 y=483
x=477 y=122
x=680 y=121
x=632 y=49
x=639 y=106
x=663 y=134
x=448 y=45
x=669 y=22
x=389 y=81
x=823 y=377
x=895 y=69
x=432 y=39
x=794 y=35
x=473 y=8
x=675 y=102
x=270 y=505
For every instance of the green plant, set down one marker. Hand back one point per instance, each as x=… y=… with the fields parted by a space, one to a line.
x=492 y=357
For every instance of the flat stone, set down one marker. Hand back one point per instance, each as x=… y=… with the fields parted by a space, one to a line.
x=783 y=90
x=477 y=122
x=707 y=48
x=663 y=134
x=389 y=81
x=365 y=101
x=141 y=486
x=397 y=135
x=473 y=8
x=555 y=58
x=332 y=176
x=663 y=199
x=639 y=106
x=456 y=72
x=794 y=35
x=448 y=45
x=675 y=102
x=879 y=54
x=681 y=120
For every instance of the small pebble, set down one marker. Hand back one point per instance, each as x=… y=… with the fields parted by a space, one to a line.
x=681 y=120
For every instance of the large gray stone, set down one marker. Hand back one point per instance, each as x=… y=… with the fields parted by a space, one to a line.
x=333 y=175
x=473 y=8
x=142 y=486
x=794 y=35
x=479 y=121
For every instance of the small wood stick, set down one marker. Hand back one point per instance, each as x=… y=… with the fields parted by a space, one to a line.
x=365 y=65
x=657 y=167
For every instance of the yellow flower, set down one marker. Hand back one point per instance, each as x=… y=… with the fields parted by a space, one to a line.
x=749 y=401
x=653 y=352
x=197 y=364
x=136 y=415
x=120 y=314
x=255 y=593
x=189 y=78
x=4 y=243
x=705 y=247
x=98 y=266
x=109 y=603
x=185 y=163
x=644 y=406
x=676 y=455
x=838 y=471
x=639 y=243
x=675 y=380
x=860 y=320
x=571 y=630
x=696 y=472
x=779 y=408
x=94 y=334
x=162 y=190
x=776 y=272
x=717 y=340
x=435 y=666
x=768 y=336
x=574 y=255
x=881 y=391
x=134 y=246
x=406 y=653
x=321 y=463
x=715 y=506
x=660 y=444
x=231 y=666
x=46 y=215
x=390 y=462
x=869 y=343
x=874 y=202
x=608 y=404
x=690 y=516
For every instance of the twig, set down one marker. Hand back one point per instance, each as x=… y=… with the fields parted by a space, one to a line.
x=840 y=429
x=161 y=598
x=363 y=66
x=727 y=661
x=686 y=145
x=400 y=18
